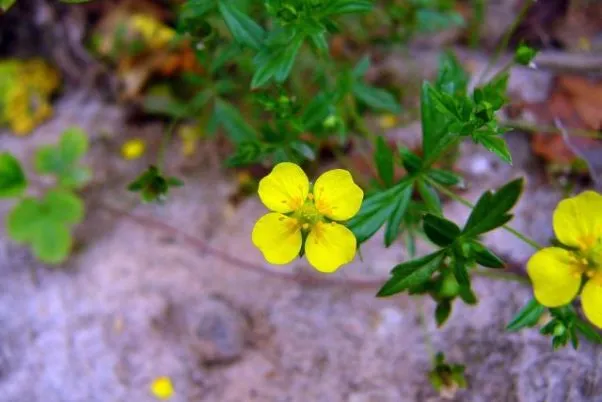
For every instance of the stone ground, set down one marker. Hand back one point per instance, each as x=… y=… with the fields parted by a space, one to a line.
x=134 y=302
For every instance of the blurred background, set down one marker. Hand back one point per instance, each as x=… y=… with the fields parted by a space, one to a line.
x=177 y=292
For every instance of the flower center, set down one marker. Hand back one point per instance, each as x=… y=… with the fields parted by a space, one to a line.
x=308 y=214
x=590 y=259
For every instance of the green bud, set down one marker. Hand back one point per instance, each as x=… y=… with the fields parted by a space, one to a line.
x=524 y=55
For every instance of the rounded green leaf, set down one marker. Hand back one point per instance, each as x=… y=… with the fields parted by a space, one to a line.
x=73 y=145
x=22 y=220
x=51 y=242
x=63 y=207
x=12 y=178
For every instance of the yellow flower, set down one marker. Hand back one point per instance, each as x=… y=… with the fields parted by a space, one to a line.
x=152 y=30
x=387 y=121
x=557 y=273
x=162 y=388
x=300 y=213
x=133 y=149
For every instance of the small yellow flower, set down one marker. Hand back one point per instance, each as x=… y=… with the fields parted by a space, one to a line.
x=162 y=388
x=155 y=33
x=133 y=149
x=300 y=212
x=557 y=273
x=387 y=121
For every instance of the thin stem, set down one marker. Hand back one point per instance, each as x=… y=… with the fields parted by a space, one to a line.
x=428 y=342
x=501 y=275
x=506 y=39
x=526 y=126
x=467 y=203
x=165 y=141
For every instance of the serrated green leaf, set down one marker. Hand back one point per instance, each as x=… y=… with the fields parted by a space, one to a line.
x=444 y=177
x=528 y=316
x=6 y=4
x=435 y=134
x=376 y=98
x=411 y=162
x=361 y=68
x=346 y=7
x=375 y=211
x=491 y=211
x=394 y=221
x=12 y=177
x=237 y=129
x=411 y=274
x=442 y=312
x=383 y=159
x=244 y=30
x=588 y=331
x=275 y=62
x=429 y=197
x=451 y=78
x=486 y=257
x=440 y=231
x=497 y=145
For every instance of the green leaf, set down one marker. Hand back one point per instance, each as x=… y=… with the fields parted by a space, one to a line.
x=237 y=128
x=431 y=21
x=64 y=206
x=394 y=221
x=524 y=55
x=52 y=243
x=152 y=185
x=22 y=219
x=12 y=177
x=44 y=224
x=486 y=257
x=497 y=145
x=491 y=211
x=6 y=4
x=361 y=68
x=442 y=312
x=244 y=30
x=195 y=9
x=435 y=134
x=411 y=162
x=430 y=197
x=384 y=161
x=318 y=109
x=528 y=316
x=440 y=231
x=493 y=93
x=376 y=98
x=73 y=145
x=411 y=274
x=375 y=211
x=346 y=7
x=444 y=177
x=275 y=62
x=591 y=333
x=452 y=78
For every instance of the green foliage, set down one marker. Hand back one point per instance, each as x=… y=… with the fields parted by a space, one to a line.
x=6 y=4
x=565 y=326
x=45 y=224
x=153 y=186
x=528 y=316
x=12 y=178
x=63 y=160
x=445 y=375
x=524 y=54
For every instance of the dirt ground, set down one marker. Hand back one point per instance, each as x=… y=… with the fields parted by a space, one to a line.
x=136 y=302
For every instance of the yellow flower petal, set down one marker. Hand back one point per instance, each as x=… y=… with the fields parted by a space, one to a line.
x=337 y=196
x=162 y=388
x=285 y=188
x=329 y=245
x=133 y=149
x=578 y=220
x=591 y=300
x=556 y=278
x=278 y=237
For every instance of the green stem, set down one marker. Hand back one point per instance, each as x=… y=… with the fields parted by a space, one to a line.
x=526 y=126
x=165 y=141
x=428 y=342
x=467 y=203
x=506 y=39
x=503 y=276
